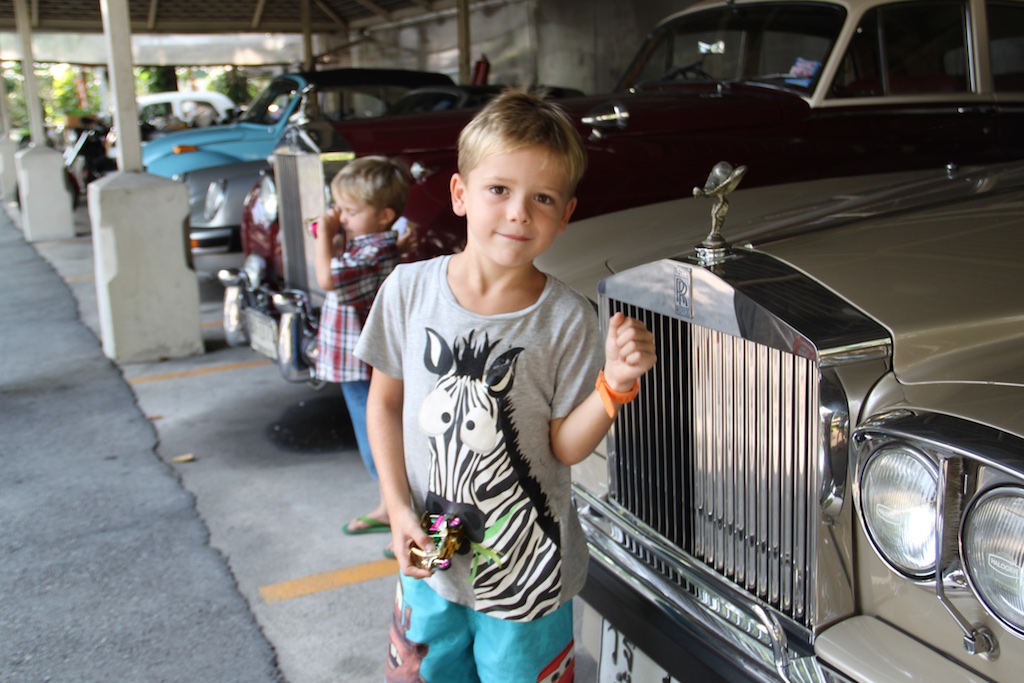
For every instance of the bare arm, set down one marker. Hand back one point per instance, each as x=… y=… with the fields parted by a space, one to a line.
x=328 y=225
x=384 y=427
x=629 y=353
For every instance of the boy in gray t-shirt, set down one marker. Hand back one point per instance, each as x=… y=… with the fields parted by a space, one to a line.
x=483 y=395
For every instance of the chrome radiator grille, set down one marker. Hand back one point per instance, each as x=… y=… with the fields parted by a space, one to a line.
x=717 y=456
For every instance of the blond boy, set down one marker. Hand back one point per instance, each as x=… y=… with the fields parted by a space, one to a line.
x=356 y=249
x=483 y=394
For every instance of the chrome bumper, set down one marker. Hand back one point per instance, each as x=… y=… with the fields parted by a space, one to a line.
x=274 y=324
x=722 y=619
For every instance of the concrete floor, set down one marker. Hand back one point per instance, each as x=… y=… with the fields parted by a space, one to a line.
x=272 y=471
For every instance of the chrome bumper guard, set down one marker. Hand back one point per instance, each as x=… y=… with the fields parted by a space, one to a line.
x=735 y=625
x=272 y=323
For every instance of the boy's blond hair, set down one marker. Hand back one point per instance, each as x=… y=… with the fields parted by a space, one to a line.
x=375 y=181
x=516 y=119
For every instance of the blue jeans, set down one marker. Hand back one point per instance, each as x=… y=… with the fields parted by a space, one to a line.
x=355 y=394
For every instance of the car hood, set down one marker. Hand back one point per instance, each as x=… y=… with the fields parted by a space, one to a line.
x=863 y=238
x=946 y=281
x=212 y=135
x=593 y=248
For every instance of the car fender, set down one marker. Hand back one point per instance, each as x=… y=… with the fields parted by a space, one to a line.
x=186 y=162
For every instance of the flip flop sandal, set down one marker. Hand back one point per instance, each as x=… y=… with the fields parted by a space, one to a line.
x=373 y=526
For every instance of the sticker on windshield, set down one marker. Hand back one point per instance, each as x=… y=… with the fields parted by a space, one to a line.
x=802 y=71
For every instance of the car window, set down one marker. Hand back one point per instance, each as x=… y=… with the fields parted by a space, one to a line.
x=781 y=43
x=427 y=101
x=156 y=110
x=907 y=49
x=352 y=102
x=1006 y=45
x=271 y=104
x=199 y=114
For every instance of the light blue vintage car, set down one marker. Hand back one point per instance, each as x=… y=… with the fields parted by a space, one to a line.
x=241 y=148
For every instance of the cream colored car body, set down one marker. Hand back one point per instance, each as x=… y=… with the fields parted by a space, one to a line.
x=934 y=258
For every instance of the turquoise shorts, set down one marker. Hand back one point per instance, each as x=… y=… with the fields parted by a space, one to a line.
x=436 y=641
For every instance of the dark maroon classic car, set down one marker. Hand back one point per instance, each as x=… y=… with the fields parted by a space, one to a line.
x=793 y=90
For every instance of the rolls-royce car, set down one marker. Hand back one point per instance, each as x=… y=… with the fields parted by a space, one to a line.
x=822 y=479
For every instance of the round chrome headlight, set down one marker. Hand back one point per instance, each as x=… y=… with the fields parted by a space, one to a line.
x=898 y=494
x=268 y=198
x=993 y=554
x=216 y=195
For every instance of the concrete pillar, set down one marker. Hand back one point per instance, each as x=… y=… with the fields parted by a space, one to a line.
x=146 y=292
x=46 y=211
x=8 y=168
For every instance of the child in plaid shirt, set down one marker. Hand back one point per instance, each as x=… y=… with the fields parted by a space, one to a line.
x=369 y=196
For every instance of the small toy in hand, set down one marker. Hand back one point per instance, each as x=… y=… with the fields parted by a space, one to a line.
x=446 y=532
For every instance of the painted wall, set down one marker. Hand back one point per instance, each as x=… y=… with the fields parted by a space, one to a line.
x=579 y=44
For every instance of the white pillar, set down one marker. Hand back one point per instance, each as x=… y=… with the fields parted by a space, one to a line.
x=8 y=170
x=117 y=33
x=146 y=293
x=46 y=211
x=28 y=70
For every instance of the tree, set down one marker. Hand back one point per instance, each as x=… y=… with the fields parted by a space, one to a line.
x=236 y=84
x=156 y=78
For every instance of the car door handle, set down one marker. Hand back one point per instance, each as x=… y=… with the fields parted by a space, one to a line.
x=606 y=117
x=979 y=110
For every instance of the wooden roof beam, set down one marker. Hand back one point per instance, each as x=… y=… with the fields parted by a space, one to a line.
x=332 y=15
x=257 y=13
x=375 y=8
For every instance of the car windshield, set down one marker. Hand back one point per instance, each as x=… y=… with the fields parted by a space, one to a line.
x=271 y=104
x=785 y=44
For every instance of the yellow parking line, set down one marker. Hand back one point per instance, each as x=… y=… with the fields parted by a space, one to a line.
x=212 y=323
x=198 y=371
x=325 y=581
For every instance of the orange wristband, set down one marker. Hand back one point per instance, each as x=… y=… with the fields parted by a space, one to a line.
x=613 y=399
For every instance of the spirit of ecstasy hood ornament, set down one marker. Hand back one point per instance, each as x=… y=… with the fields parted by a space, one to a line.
x=722 y=180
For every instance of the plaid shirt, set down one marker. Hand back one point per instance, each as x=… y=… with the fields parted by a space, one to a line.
x=357 y=275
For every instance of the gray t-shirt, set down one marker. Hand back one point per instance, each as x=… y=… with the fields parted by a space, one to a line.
x=480 y=393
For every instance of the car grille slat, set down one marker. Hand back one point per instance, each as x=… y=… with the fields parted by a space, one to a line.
x=717 y=456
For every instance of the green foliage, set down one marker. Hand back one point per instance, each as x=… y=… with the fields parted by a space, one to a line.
x=155 y=79
x=59 y=86
x=236 y=84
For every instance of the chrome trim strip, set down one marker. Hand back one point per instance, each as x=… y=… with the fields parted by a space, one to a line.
x=854 y=353
x=990 y=446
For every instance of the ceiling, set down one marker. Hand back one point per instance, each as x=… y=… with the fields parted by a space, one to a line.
x=221 y=16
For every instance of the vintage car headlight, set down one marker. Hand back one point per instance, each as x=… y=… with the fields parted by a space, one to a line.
x=216 y=194
x=899 y=489
x=993 y=553
x=268 y=197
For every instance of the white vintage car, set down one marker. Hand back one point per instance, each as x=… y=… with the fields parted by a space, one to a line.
x=822 y=479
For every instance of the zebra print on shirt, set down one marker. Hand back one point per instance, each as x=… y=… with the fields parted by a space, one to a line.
x=478 y=472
